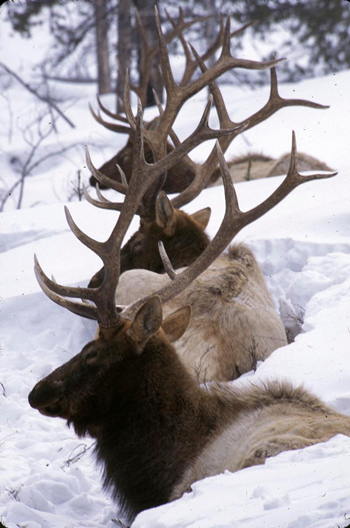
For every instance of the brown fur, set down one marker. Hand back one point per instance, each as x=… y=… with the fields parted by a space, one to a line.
x=156 y=430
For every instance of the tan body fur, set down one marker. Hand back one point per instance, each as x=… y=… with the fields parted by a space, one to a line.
x=256 y=166
x=274 y=419
x=233 y=322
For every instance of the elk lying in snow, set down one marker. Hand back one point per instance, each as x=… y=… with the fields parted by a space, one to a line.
x=157 y=431
x=183 y=236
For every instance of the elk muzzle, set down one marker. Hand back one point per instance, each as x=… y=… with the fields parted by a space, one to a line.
x=46 y=399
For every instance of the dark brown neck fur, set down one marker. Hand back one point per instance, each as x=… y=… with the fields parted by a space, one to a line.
x=158 y=422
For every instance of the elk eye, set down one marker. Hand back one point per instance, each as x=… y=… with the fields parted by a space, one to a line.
x=91 y=355
x=137 y=246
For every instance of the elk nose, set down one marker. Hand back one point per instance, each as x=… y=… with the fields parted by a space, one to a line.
x=31 y=397
x=44 y=393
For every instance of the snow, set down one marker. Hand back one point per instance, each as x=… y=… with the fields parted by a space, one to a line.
x=48 y=477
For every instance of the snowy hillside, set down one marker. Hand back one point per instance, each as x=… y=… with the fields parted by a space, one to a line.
x=48 y=477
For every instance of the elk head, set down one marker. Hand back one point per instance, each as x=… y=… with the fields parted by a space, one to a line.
x=80 y=391
x=178 y=177
x=183 y=237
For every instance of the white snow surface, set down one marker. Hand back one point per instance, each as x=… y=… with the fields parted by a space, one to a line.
x=48 y=477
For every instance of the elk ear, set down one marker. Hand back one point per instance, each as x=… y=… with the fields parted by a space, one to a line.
x=202 y=217
x=175 y=324
x=165 y=214
x=146 y=322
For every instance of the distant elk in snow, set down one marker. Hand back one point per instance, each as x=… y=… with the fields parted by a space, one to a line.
x=157 y=431
x=242 y=325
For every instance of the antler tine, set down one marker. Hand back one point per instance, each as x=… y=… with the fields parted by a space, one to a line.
x=243 y=28
x=190 y=63
x=116 y=116
x=102 y=178
x=222 y=35
x=105 y=311
x=127 y=106
x=122 y=176
x=58 y=289
x=291 y=181
x=100 y=195
x=85 y=310
x=104 y=203
x=114 y=127
x=168 y=78
x=166 y=261
x=181 y=25
x=141 y=29
x=158 y=103
x=276 y=102
x=226 y=44
x=96 y=247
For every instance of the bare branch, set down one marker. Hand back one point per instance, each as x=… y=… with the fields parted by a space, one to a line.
x=34 y=92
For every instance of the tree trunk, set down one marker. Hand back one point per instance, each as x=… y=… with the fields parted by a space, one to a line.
x=103 y=70
x=123 y=49
x=146 y=11
x=211 y=31
x=211 y=28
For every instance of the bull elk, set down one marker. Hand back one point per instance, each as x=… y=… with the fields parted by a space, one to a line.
x=243 y=326
x=157 y=431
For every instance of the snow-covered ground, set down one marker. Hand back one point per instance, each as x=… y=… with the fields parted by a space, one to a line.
x=48 y=477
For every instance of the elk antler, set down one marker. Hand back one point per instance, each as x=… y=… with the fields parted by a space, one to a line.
x=274 y=103
x=142 y=170
x=191 y=65
x=234 y=221
x=156 y=136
